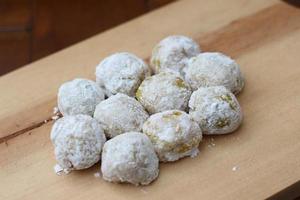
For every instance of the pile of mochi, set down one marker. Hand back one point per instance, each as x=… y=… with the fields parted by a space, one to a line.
x=135 y=116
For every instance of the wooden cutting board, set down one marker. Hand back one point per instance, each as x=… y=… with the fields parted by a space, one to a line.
x=257 y=161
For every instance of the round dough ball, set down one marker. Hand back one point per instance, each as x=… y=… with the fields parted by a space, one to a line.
x=174 y=135
x=213 y=69
x=121 y=73
x=119 y=114
x=79 y=96
x=173 y=53
x=130 y=158
x=164 y=91
x=215 y=109
x=78 y=141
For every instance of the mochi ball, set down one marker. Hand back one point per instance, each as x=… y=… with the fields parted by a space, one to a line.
x=173 y=53
x=130 y=158
x=79 y=96
x=164 y=91
x=174 y=135
x=214 y=69
x=78 y=141
x=119 y=114
x=215 y=109
x=121 y=73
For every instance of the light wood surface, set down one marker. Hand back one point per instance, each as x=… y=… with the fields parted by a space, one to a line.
x=263 y=36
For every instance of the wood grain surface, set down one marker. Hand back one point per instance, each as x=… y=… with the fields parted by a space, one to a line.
x=263 y=36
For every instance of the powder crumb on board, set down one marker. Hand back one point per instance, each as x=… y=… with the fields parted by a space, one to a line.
x=97 y=175
x=67 y=171
x=144 y=191
x=211 y=145
x=56 y=114
x=55 y=110
x=60 y=171
x=55 y=117
x=235 y=168
x=45 y=121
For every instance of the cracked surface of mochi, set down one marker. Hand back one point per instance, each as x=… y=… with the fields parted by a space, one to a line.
x=164 y=91
x=214 y=69
x=78 y=141
x=121 y=73
x=216 y=110
x=129 y=157
x=79 y=96
x=174 y=135
x=119 y=114
x=173 y=53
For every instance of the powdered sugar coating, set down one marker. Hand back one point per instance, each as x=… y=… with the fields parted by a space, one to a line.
x=119 y=114
x=130 y=158
x=213 y=69
x=174 y=135
x=78 y=141
x=172 y=53
x=79 y=96
x=163 y=91
x=121 y=73
x=215 y=109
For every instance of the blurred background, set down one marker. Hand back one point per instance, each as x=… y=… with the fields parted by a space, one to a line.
x=32 y=29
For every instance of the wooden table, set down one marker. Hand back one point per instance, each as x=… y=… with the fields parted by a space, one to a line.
x=262 y=35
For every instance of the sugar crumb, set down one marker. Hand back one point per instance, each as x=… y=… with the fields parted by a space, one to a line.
x=97 y=174
x=211 y=145
x=67 y=171
x=235 y=168
x=60 y=171
x=55 y=110
x=144 y=191
x=55 y=117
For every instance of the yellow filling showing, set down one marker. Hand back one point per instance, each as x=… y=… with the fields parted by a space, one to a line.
x=222 y=123
x=174 y=115
x=156 y=63
x=178 y=148
x=138 y=94
x=227 y=98
x=180 y=83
